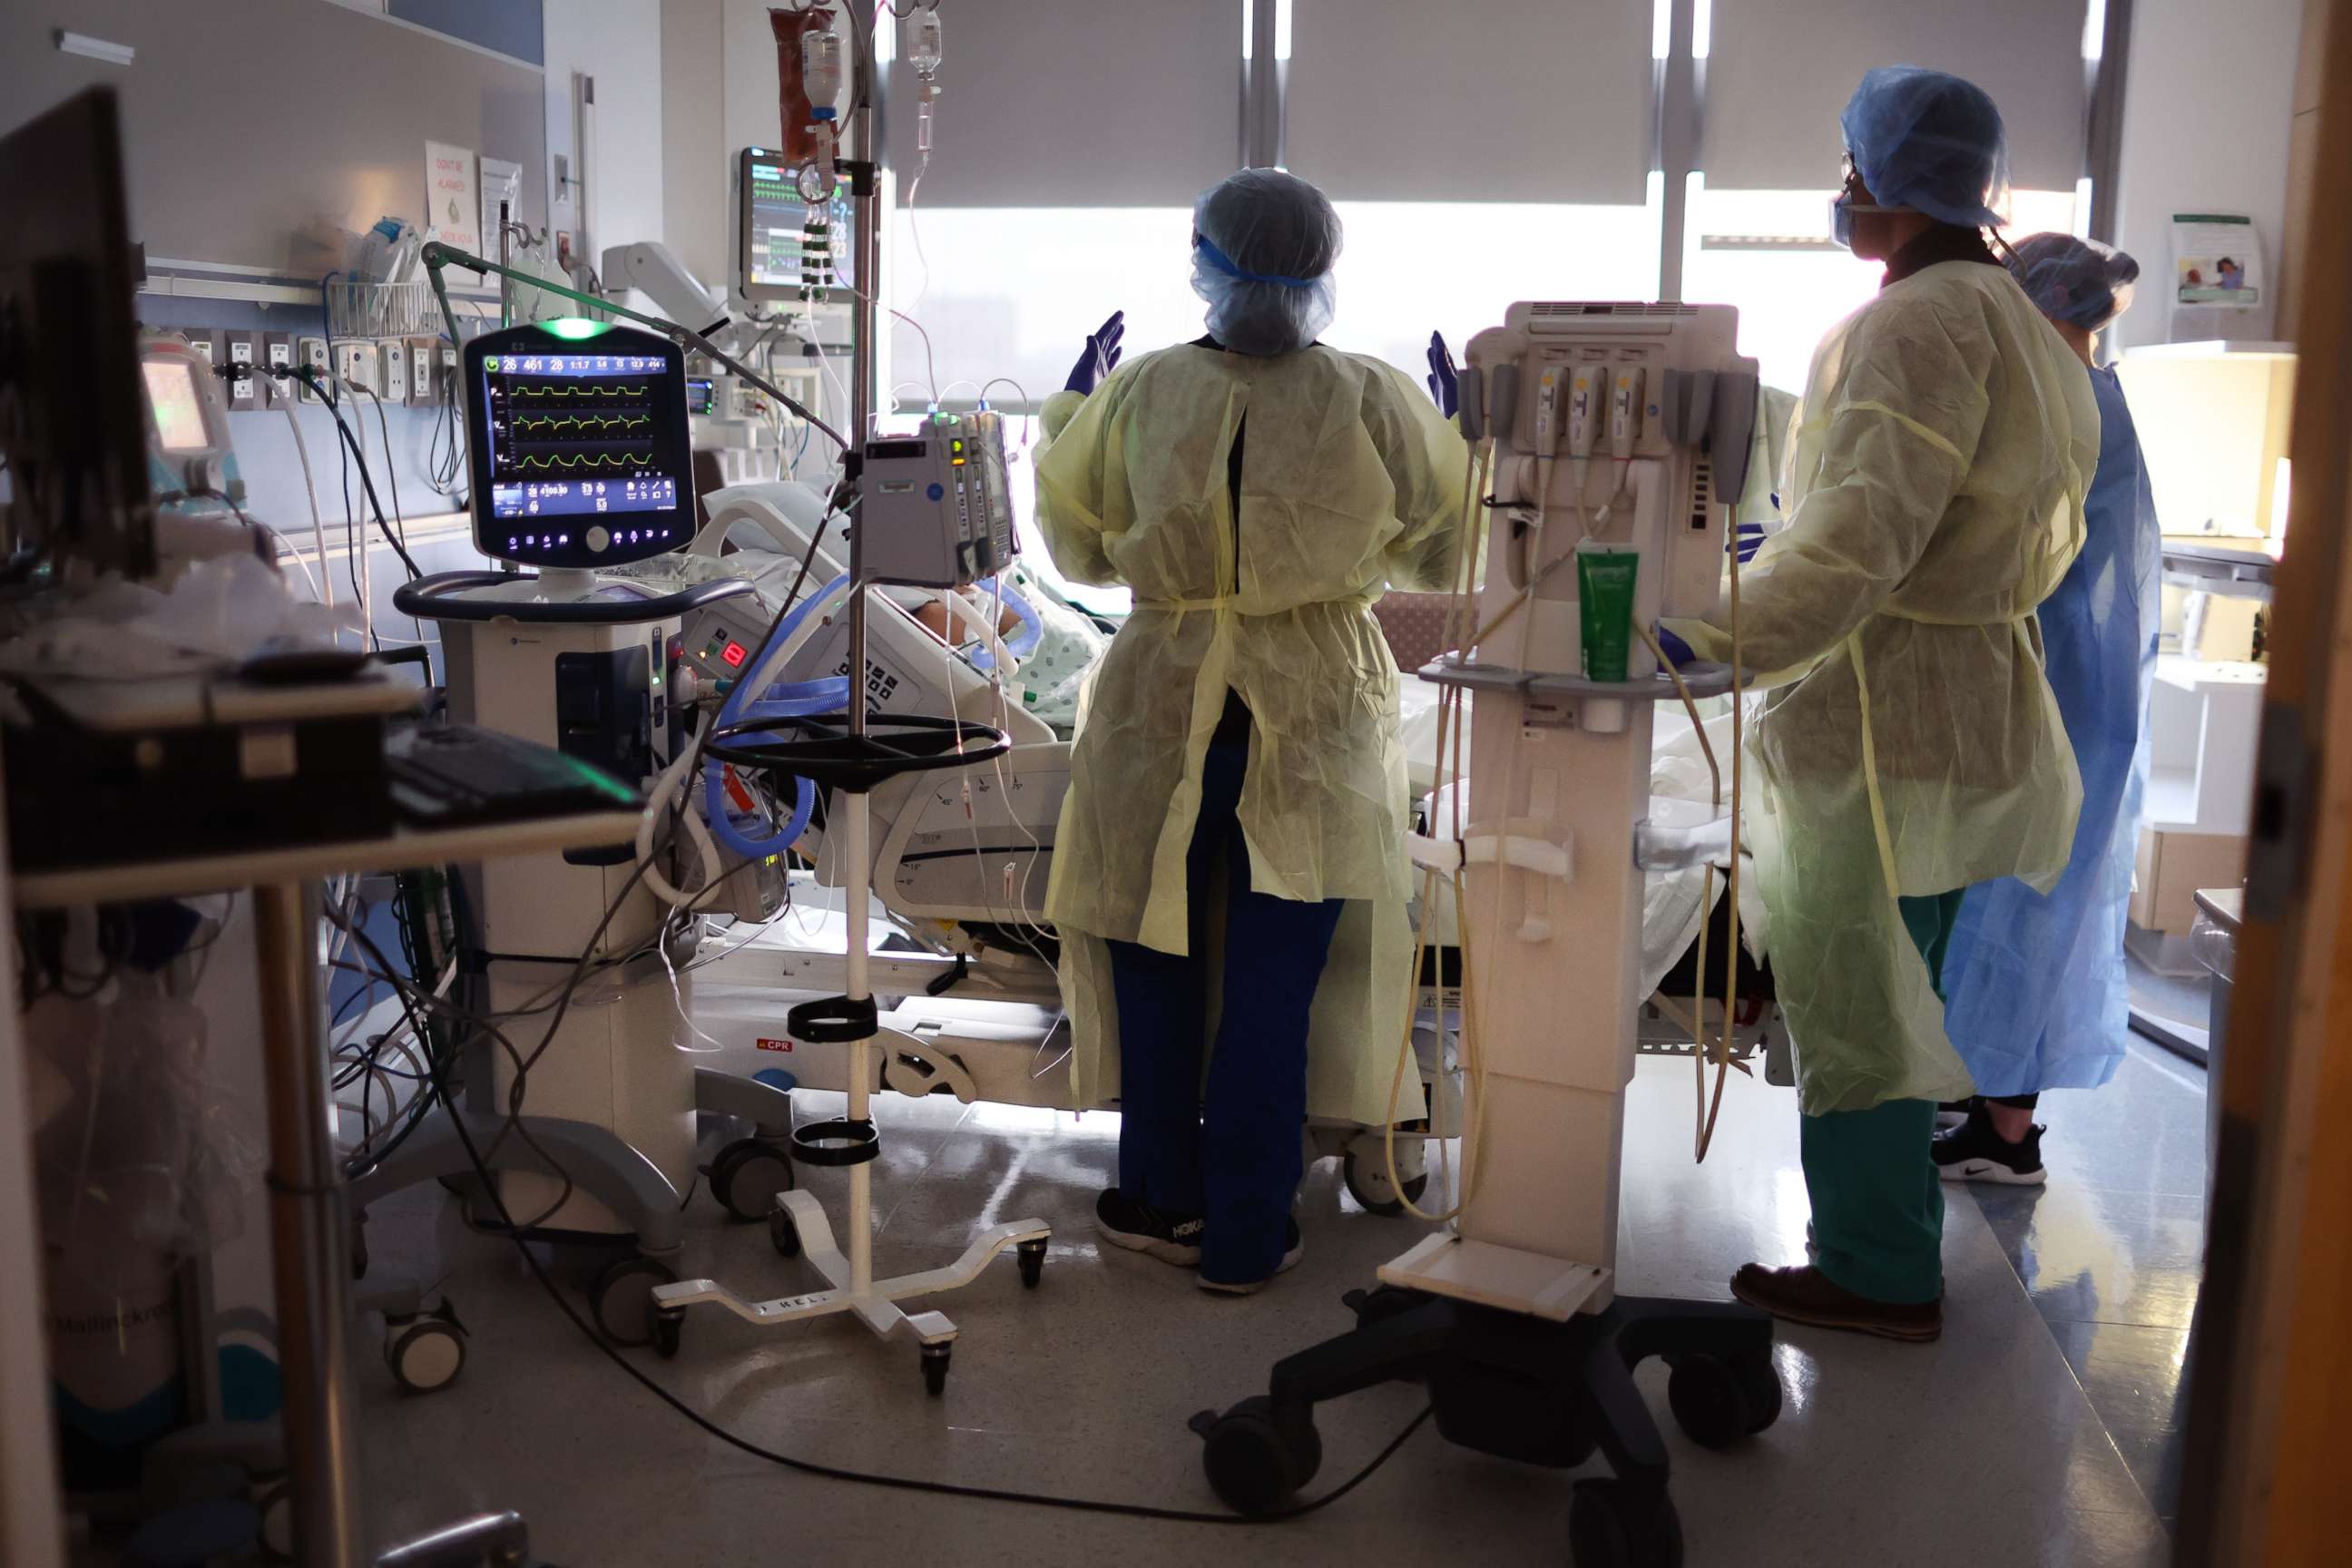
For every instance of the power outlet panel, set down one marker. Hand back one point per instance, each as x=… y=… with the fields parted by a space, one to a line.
x=424 y=377
x=391 y=355
x=311 y=352
x=244 y=389
x=276 y=359
x=356 y=364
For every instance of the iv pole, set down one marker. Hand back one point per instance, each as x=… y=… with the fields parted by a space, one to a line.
x=798 y=1223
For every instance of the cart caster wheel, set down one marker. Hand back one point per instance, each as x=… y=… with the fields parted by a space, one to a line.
x=1612 y=1524
x=276 y=1538
x=622 y=1294
x=935 y=1369
x=425 y=1354
x=784 y=1233
x=1709 y=1399
x=1366 y=1181
x=1257 y=1459
x=666 y=1326
x=1761 y=1381
x=1031 y=1256
x=747 y=1175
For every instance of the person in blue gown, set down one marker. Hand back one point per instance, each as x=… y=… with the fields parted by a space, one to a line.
x=2035 y=994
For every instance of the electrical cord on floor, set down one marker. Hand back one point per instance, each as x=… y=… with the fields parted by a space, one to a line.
x=520 y=1236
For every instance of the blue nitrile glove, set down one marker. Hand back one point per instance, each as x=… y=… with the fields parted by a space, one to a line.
x=1101 y=356
x=1746 y=539
x=1444 y=383
x=1678 y=652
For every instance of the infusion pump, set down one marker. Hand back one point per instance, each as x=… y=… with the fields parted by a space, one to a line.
x=936 y=506
x=1630 y=425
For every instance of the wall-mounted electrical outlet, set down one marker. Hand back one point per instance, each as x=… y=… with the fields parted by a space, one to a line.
x=424 y=384
x=243 y=391
x=276 y=359
x=356 y=364
x=311 y=352
x=391 y=356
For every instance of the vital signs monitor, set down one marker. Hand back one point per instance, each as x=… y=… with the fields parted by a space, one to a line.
x=581 y=452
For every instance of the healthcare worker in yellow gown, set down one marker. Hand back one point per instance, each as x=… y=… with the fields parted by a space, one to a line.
x=1233 y=839
x=1909 y=746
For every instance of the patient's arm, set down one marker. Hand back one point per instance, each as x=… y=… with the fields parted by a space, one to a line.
x=933 y=616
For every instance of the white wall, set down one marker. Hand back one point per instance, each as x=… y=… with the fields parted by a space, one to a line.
x=719 y=91
x=2207 y=111
x=694 y=153
x=619 y=42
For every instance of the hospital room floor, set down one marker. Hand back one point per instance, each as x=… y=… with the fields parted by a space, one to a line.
x=2038 y=1430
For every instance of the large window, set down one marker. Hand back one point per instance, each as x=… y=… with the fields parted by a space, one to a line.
x=1769 y=254
x=1615 y=149
x=1413 y=268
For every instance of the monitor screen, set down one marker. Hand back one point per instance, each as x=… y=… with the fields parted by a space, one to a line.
x=172 y=393
x=774 y=216
x=581 y=454
x=72 y=439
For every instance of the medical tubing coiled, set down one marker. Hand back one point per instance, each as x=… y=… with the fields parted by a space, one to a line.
x=758 y=696
x=1033 y=625
x=804 y=701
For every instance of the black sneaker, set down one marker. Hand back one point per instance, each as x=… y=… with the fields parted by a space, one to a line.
x=1973 y=1151
x=1293 y=1249
x=1952 y=1113
x=1138 y=1226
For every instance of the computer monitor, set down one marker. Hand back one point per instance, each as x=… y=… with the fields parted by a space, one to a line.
x=579 y=444
x=72 y=425
x=772 y=218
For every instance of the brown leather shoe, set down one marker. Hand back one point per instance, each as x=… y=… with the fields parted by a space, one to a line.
x=1808 y=1295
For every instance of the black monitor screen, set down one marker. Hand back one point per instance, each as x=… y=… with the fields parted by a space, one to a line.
x=72 y=434
x=774 y=218
x=582 y=455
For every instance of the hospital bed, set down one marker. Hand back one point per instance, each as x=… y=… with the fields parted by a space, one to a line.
x=971 y=1006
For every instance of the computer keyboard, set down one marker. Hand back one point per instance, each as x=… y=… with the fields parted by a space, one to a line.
x=452 y=775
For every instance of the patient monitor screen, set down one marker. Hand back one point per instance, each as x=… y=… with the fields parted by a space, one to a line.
x=179 y=413
x=586 y=447
x=773 y=217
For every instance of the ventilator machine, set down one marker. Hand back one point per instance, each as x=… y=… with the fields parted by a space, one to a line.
x=1620 y=427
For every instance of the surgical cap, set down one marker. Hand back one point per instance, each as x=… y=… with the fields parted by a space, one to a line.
x=1264 y=243
x=1931 y=142
x=2079 y=281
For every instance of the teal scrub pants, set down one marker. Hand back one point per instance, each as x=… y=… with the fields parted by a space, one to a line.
x=1878 y=1203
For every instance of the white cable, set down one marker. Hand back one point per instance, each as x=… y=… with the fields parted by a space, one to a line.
x=362 y=545
x=930 y=367
x=1004 y=790
x=678 y=999
x=295 y=555
x=311 y=494
x=665 y=797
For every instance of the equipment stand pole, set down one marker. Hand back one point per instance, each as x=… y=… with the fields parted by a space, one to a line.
x=857 y=818
x=309 y=1234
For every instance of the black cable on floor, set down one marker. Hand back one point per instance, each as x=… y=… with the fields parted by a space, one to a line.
x=490 y=1188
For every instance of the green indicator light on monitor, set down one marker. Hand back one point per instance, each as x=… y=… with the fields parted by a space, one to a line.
x=576 y=327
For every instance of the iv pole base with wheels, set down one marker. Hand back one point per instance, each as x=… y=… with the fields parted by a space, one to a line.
x=1524 y=1389
x=851 y=766
x=797 y=1224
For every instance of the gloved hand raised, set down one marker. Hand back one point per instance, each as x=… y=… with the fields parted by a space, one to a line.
x=1747 y=540
x=1101 y=356
x=1678 y=652
x=1444 y=383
